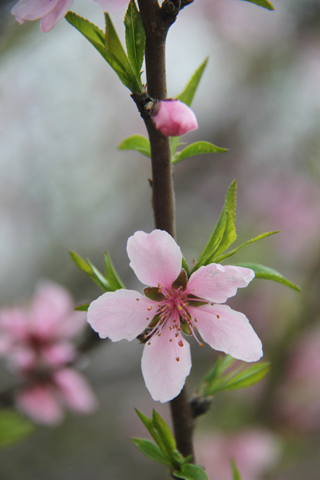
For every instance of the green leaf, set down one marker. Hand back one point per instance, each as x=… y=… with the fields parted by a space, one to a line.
x=188 y=93
x=135 y=37
x=189 y=471
x=82 y=308
x=13 y=428
x=136 y=142
x=262 y=3
x=187 y=96
x=198 y=148
x=87 y=267
x=112 y=278
x=235 y=471
x=220 y=365
x=150 y=450
x=109 y=47
x=255 y=239
x=248 y=377
x=269 y=274
x=185 y=266
x=80 y=262
x=224 y=233
x=164 y=432
x=88 y=29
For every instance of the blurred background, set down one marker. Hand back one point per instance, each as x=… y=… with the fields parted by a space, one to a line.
x=64 y=185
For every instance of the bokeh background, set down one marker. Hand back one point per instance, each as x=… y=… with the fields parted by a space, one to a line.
x=64 y=185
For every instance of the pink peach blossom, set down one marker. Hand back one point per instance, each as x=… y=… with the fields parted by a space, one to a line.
x=172 y=305
x=112 y=5
x=50 y=11
x=44 y=402
x=174 y=118
x=40 y=333
x=254 y=452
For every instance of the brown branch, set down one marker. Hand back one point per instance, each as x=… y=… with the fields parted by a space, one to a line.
x=156 y=22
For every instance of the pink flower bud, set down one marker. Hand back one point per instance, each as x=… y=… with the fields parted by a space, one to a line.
x=174 y=118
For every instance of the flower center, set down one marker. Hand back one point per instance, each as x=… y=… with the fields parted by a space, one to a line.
x=172 y=313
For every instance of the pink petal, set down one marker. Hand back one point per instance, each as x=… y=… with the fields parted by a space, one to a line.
x=121 y=315
x=60 y=10
x=50 y=307
x=154 y=257
x=75 y=391
x=33 y=9
x=230 y=333
x=163 y=374
x=112 y=5
x=40 y=403
x=174 y=118
x=217 y=283
x=58 y=354
x=14 y=323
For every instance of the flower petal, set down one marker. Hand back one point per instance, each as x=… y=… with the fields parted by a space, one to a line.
x=75 y=391
x=154 y=257
x=228 y=331
x=33 y=9
x=163 y=374
x=112 y=5
x=58 y=12
x=121 y=315
x=40 y=403
x=217 y=283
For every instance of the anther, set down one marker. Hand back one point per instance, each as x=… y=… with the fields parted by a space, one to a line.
x=149 y=308
x=137 y=299
x=180 y=343
x=201 y=344
x=218 y=316
x=178 y=359
x=177 y=335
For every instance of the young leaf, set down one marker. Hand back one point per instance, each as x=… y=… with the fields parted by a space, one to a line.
x=198 y=148
x=220 y=365
x=82 y=308
x=13 y=428
x=98 y=277
x=135 y=37
x=269 y=274
x=112 y=278
x=87 y=267
x=136 y=142
x=148 y=423
x=116 y=58
x=186 y=96
x=248 y=377
x=189 y=471
x=255 y=239
x=151 y=450
x=164 y=432
x=262 y=3
x=224 y=233
x=189 y=92
x=235 y=471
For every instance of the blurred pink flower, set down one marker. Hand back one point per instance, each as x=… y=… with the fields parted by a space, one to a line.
x=50 y=11
x=174 y=304
x=44 y=401
x=112 y=5
x=40 y=334
x=173 y=118
x=297 y=404
x=36 y=342
x=254 y=452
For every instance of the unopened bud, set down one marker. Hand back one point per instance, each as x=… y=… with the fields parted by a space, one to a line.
x=173 y=118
